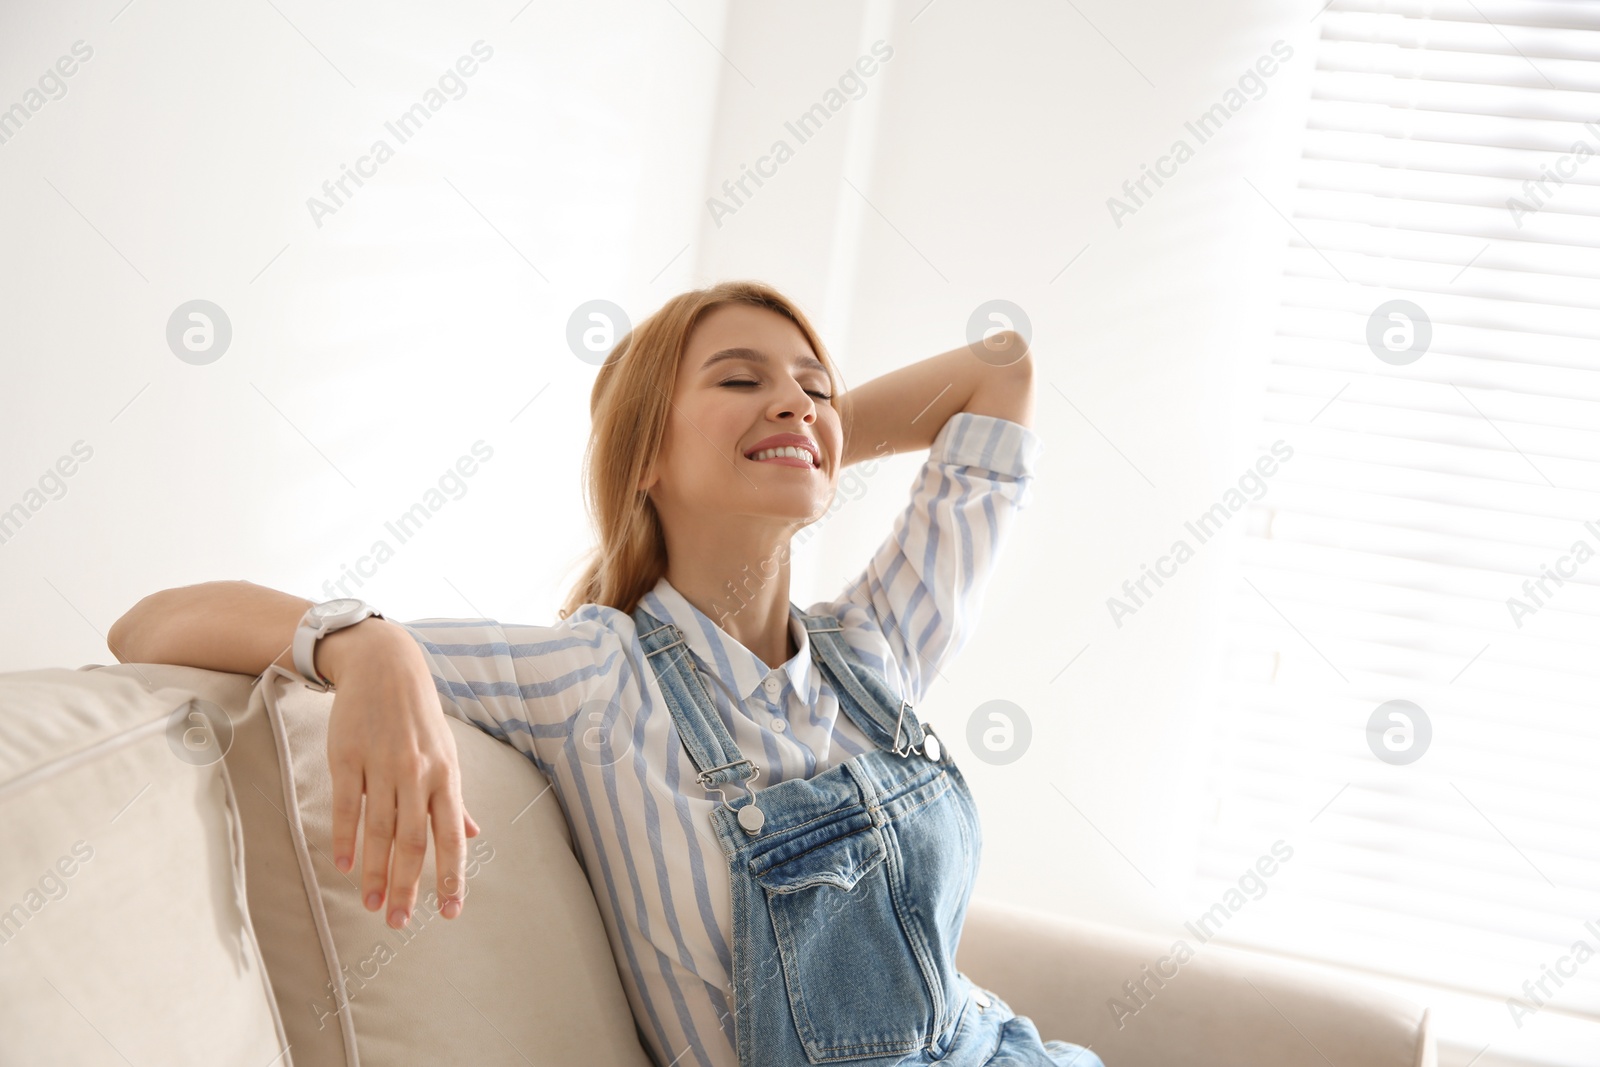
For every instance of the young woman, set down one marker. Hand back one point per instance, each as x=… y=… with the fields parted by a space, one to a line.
x=782 y=851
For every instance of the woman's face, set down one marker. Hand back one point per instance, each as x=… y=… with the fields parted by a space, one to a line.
x=747 y=375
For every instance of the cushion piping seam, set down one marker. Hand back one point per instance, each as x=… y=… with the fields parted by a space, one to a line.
x=330 y=951
x=242 y=901
x=99 y=748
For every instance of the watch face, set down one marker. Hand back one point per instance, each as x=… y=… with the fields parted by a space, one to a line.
x=335 y=607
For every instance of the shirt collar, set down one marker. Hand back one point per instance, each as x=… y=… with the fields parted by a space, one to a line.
x=722 y=656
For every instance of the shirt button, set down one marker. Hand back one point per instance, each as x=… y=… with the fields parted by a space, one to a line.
x=773 y=685
x=778 y=725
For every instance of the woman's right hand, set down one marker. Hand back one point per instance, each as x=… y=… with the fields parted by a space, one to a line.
x=388 y=739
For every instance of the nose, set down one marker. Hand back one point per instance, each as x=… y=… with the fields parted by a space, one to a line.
x=785 y=407
x=786 y=414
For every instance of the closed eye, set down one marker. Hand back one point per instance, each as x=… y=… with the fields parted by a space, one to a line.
x=813 y=392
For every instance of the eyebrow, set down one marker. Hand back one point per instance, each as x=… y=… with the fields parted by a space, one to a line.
x=754 y=356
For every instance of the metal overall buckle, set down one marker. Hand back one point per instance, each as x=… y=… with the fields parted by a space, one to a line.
x=930 y=744
x=751 y=818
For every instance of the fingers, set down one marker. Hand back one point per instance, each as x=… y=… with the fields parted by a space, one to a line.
x=450 y=850
x=406 y=772
x=347 y=781
x=410 y=847
x=375 y=847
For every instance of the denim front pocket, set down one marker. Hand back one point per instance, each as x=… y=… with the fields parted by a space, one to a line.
x=855 y=987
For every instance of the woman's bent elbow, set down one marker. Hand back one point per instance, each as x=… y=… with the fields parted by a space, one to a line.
x=121 y=638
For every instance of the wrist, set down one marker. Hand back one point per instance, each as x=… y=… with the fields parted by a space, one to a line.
x=348 y=650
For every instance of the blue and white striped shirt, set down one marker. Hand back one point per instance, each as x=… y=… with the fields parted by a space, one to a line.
x=640 y=821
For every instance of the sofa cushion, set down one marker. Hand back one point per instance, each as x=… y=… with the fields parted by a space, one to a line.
x=124 y=930
x=524 y=973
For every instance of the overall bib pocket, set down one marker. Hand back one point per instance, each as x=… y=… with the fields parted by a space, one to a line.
x=855 y=986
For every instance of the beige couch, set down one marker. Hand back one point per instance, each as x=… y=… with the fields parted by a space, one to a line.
x=167 y=897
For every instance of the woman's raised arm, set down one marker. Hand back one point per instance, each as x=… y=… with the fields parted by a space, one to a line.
x=905 y=408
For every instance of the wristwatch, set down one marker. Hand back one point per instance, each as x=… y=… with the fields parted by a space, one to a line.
x=319 y=621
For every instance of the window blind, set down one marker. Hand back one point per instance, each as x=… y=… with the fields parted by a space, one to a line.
x=1436 y=536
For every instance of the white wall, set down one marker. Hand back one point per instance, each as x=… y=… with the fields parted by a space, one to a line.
x=377 y=347
x=375 y=350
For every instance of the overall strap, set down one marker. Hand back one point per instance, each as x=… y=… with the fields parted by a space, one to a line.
x=707 y=740
x=863 y=694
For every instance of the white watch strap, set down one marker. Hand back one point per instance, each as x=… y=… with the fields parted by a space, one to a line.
x=305 y=644
x=306 y=637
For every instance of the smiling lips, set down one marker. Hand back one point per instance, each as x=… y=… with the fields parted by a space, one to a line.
x=789 y=456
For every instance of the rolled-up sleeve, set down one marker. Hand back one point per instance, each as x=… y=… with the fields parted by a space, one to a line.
x=923 y=588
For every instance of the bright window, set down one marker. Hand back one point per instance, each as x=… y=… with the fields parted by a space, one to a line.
x=1436 y=536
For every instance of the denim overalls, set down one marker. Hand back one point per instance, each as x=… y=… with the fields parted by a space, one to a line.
x=850 y=887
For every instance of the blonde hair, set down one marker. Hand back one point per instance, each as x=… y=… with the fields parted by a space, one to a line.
x=629 y=408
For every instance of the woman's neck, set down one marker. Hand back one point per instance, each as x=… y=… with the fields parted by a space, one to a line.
x=751 y=609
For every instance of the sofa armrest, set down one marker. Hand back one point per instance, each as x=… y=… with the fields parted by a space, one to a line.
x=1126 y=995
